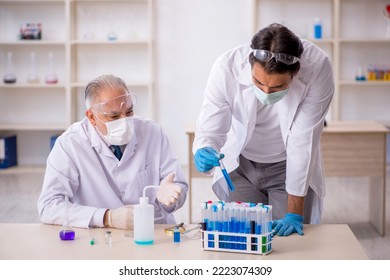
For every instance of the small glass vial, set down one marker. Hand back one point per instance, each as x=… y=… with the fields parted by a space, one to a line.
x=176 y=234
x=108 y=238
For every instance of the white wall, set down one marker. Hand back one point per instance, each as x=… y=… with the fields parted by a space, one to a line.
x=190 y=35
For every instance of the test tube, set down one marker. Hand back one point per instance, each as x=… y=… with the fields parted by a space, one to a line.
x=227 y=177
x=219 y=224
x=204 y=214
x=214 y=218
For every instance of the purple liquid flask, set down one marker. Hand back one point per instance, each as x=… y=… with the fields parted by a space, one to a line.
x=67 y=232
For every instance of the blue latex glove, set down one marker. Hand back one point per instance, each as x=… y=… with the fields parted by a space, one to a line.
x=289 y=224
x=206 y=158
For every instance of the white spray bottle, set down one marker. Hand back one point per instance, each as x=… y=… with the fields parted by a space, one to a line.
x=144 y=220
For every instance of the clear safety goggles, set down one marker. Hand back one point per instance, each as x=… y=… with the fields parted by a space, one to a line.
x=116 y=105
x=265 y=56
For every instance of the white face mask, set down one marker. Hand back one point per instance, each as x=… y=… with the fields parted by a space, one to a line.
x=119 y=132
x=271 y=98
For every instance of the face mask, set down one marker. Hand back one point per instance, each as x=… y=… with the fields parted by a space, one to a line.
x=119 y=132
x=268 y=99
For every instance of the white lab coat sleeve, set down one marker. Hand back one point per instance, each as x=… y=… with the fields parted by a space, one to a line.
x=215 y=117
x=62 y=177
x=170 y=164
x=303 y=142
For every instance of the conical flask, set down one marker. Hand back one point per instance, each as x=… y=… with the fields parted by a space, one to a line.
x=67 y=232
x=9 y=77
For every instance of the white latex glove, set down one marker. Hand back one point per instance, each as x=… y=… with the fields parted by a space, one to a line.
x=168 y=192
x=121 y=217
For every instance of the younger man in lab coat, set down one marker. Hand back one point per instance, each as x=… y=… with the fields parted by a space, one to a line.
x=104 y=162
x=264 y=109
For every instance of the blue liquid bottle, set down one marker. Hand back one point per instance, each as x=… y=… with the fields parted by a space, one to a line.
x=317 y=29
x=67 y=232
x=176 y=235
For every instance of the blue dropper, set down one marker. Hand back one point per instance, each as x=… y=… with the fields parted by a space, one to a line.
x=226 y=175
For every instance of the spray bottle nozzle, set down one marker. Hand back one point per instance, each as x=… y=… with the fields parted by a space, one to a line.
x=143 y=200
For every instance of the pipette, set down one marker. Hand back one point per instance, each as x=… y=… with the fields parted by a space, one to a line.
x=226 y=175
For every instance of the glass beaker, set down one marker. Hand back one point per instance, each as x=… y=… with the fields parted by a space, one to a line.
x=112 y=35
x=51 y=77
x=9 y=77
x=33 y=77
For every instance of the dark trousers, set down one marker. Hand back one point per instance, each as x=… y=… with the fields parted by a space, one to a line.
x=265 y=183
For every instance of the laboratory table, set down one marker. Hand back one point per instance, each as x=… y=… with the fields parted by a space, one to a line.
x=42 y=242
x=349 y=148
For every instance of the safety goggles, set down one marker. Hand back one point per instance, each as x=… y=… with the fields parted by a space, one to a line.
x=116 y=105
x=266 y=56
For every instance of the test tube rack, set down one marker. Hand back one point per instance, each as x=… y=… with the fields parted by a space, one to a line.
x=237 y=242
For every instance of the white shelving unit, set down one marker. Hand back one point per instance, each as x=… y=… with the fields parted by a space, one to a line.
x=354 y=34
x=77 y=33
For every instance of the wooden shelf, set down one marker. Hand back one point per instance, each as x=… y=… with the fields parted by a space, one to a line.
x=23 y=169
x=351 y=39
x=76 y=62
x=33 y=127
x=364 y=83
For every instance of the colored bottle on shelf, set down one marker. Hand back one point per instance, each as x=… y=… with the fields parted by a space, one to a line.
x=370 y=73
x=9 y=77
x=317 y=28
x=360 y=74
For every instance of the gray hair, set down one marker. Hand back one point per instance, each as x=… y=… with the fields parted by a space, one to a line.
x=96 y=86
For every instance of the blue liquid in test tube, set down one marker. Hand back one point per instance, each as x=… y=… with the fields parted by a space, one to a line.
x=227 y=178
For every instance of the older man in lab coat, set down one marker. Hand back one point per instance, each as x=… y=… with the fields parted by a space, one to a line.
x=104 y=162
x=263 y=111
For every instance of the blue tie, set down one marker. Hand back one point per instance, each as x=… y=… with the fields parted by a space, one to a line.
x=117 y=152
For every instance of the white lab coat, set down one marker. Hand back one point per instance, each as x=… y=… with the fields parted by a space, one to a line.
x=228 y=116
x=82 y=165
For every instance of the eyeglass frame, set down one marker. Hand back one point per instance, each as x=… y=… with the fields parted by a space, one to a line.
x=286 y=59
